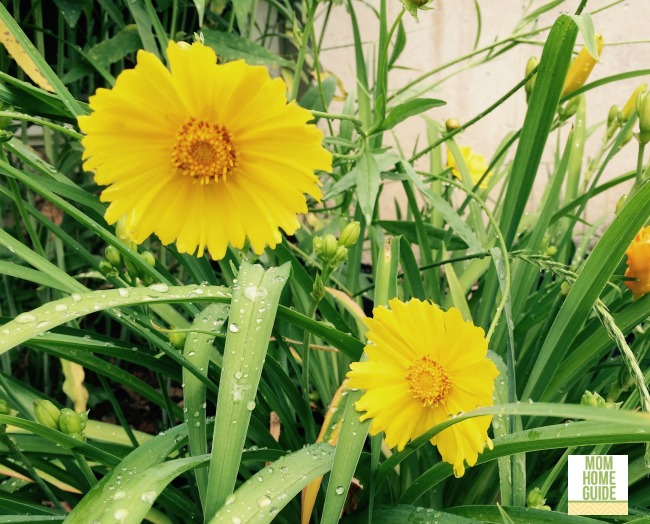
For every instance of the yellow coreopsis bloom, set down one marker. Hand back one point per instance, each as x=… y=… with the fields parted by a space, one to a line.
x=425 y=365
x=638 y=264
x=581 y=67
x=202 y=154
x=475 y=162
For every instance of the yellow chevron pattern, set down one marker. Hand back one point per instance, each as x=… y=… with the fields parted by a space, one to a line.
x=597 y=508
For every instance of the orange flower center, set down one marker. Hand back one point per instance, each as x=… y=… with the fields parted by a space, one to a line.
x=204 y=151
x=428 y=381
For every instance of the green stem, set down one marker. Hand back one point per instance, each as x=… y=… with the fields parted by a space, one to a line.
x=15 y=450
x=307 y=337
x=639 y=163
x=85 y=468
x=117 y=410
x=303 y=49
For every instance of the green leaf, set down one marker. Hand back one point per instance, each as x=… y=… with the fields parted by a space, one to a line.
x=435 y=235
x=408 y=109
x=252 y=315
x=231 y=46
x=200 y=9
x=197 y=350
x=312 y=98
x=591 y=281
x=70 y=10
x=368 y=180
x=403 y=513
x=586 y=26
x=262 y=496
x=519 y=514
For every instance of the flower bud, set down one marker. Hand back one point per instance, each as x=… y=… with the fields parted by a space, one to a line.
x=113 y=256
x=532 y=63
x=83 y=416
x=131 y=269
x=643 y=109
x=630 y=105
x=452 y=124
x=106 y=268
x=570 y=109
x=581 y=67
x=177 y=338
x=551 y=251
x=70 y=422
x=535 y=498
x=340 y=256
x=317 y=243
x=565 y=287
x=4 y=407
x=47 y=413
x=592 y=399
x=149 y=258
x=318 y=291
x=329 y=247
x=412 y=6
x=613 y=116
x=350 y=234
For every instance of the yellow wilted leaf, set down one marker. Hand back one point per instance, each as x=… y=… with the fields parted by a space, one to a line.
x=329 y=432
x=73 y=385
x=21 y=57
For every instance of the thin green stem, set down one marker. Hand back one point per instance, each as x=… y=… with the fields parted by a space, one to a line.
x=303 y=49
x=639 y=163
x=118 y=410
x=85 y=468
x=20 y=457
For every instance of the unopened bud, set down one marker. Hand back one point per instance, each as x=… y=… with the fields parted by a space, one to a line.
x=532 y=63
x=113 y=256
x=47 y=414
x=177 y=338
x=581 y=67
x=340 y=256
x=106 y=268
x=330 y=245
x=613 y=116
x=83 y=416
x=350 y=234
x=565 y=287
x=317 y=243
x=4 y=407
x=412 y=6
x=630 y=105
x=551 y=251
x=318 y=291
x=570 y=109
x=592 y=399
x=535 y=498
x=70 y=422
x=452 y=124
x=149 y=258
x=643 y=109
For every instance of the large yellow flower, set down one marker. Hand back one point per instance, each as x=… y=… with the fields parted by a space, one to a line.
x=425 y=365
x=475 y=163
x=204 y=154
x=638 y=262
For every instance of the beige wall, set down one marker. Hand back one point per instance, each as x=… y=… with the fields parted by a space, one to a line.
x=448 y=31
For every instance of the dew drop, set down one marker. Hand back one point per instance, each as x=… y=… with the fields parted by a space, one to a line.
x=76 y=297
x=119 y=495
x=339 y=490
x=250 y=406
x=264 y=501
x=25 y=318
x=254 y=293
x=60 y=308
x=123 y=292
x=233 y=328
x=160 y=288
x=121 y=514
x=149 y=497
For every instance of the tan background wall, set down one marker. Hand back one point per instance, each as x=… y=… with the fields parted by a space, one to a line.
x=449 y=30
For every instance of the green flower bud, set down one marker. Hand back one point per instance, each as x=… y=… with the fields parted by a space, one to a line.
x=592 y=399
x=149 y=258
x=106 y=268
x=83 y=416
x=4 y=407
x=70 y=421
x=643 y=109
x=613 y=116
x=47 y=413
x=551 y=251
x=570 y=109
x=330 y=246
x=350 y=234
x=565 y=287
x=340 y=256
x=535 y=498
x=177 y=338
x=452 y=124
x=629 y=106
x=532 y=63
x=412 y=6
x=113 y=256
x=317 y=243
x=131 y=269
x=318 y=291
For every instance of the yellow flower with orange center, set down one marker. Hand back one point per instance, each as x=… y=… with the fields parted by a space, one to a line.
x=425 y=365
x=638 y=264
x=202 y=154
x=475 y=162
